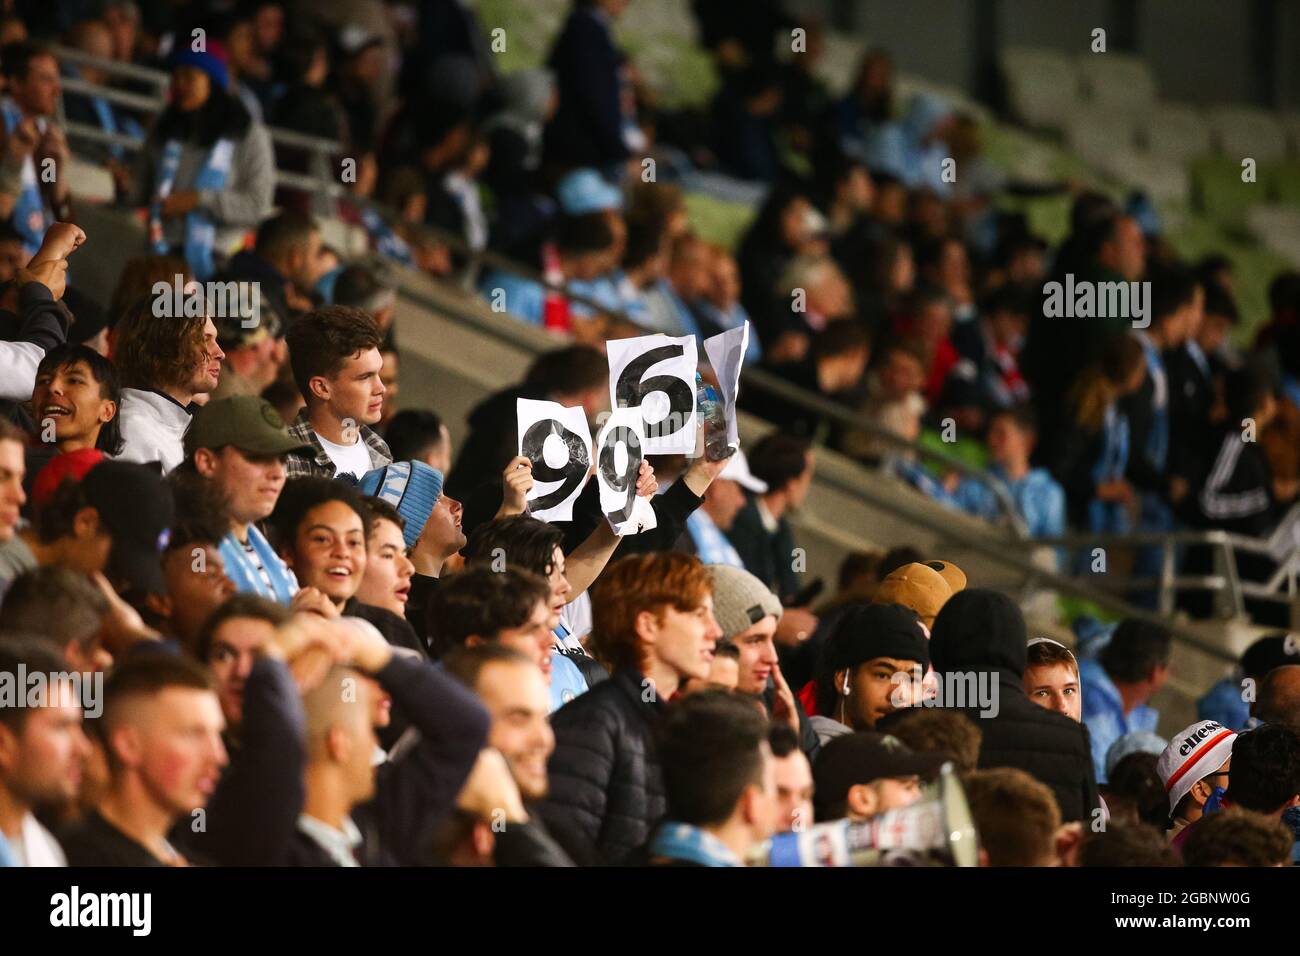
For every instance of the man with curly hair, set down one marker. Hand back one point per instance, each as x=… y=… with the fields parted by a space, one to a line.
x=166 y=362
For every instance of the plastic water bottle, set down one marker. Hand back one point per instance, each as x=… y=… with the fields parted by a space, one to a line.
x=714 y=418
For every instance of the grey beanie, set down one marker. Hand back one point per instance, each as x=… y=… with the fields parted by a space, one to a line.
x=740 y=600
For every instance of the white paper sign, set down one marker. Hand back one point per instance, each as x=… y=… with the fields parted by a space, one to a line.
x=726 y=352
x=656 y=374
x=557 y=440
x=618 y=463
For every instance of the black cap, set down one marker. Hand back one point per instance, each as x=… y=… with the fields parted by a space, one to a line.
x=136 y=507
x=866 y=631
x=851 y=759
x=1276 y=650
x=88 y=316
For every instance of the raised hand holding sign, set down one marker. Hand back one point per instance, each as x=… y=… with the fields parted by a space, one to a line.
x=557 y=440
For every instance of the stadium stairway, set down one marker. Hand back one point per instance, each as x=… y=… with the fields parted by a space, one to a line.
x=456 y=351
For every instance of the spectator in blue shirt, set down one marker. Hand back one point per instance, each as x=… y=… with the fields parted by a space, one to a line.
x=1038 y=497
x=1226 y=701
x=1119 y=684
x=579 y=254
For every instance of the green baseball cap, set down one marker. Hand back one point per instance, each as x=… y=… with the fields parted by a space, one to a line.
x=248 y=422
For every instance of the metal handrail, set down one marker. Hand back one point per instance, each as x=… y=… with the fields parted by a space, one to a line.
x=763 y=380
x=77 y=130
x=135 y=101
x=147 y=104
x=128 y=71
x=323 y=185
x=1225 y=546
x=915 y=512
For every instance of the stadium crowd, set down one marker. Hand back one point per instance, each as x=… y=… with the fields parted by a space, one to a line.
x=326 y=637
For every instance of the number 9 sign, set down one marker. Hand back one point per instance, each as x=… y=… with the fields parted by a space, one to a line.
x=666 y=399
x=618 y=464
x=557 y=440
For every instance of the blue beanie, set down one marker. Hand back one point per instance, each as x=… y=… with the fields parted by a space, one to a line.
x=209 y=63
x=412 y=487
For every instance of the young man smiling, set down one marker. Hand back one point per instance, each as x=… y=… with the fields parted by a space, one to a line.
x=75 y=401
x=320 y=528
x=334 y=354
x=507 y=681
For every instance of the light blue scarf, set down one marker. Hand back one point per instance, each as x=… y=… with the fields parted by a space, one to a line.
x=200 y=230
x=1110 y=516
x=711 y=545
x=386 y=241
x=681 y=841
x=1157 y=447
x=248 y=580
x=30 y=216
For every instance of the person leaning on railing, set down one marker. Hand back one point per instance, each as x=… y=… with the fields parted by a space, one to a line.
x=207 y=171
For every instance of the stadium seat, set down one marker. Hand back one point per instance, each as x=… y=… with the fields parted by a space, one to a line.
x=1219 y=193
x=1117 y=81
x=348 y=239
x=1242 y=132
x=1278 y=228
x=1164 y=180
x=1042 y=86
x=660 y=37
x=841 y=57
x=1098 y=136
x=1176 y=133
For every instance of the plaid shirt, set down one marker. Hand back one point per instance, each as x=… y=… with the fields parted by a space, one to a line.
x=300 y=465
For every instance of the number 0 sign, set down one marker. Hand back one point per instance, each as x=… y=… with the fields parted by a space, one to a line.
x=656 y=374
x=557 y=440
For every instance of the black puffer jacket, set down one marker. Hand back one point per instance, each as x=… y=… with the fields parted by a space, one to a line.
x=983 y=631
x=606 y=788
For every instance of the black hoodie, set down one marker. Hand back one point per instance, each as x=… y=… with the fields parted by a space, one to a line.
x=492 y=441
x=983 y=631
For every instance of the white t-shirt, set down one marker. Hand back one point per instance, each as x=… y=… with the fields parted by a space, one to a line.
x=576 y=616
x=351 y=459
x=36 y=846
